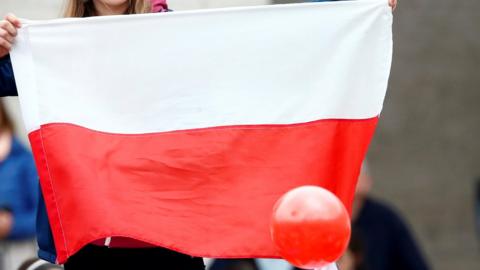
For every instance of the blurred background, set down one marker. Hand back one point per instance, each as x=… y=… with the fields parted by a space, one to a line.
x=425 y=157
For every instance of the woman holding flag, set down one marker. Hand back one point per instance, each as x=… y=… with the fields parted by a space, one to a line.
x=109 y=253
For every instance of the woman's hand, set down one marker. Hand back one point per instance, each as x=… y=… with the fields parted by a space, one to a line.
x=8 y=31
x=393 y=4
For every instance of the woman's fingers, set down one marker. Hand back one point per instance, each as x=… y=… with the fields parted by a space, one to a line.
x=5 y=44
x=13 y=20
x=8 y=26
x=6 y=35
x=393 y=4
x=8 y=31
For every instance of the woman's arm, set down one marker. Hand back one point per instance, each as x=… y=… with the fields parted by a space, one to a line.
x=8 y=31
x=7 y=80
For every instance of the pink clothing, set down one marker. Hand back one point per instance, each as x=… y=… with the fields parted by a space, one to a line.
x=159 y=5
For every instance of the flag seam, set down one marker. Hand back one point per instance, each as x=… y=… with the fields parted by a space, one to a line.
x=54 y=193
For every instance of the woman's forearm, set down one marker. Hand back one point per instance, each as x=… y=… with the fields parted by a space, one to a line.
x=7 y=79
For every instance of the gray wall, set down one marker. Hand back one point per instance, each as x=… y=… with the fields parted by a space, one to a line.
x=426 y=152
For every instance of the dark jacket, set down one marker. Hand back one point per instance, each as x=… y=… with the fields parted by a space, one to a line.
x=388 y=241
x=7 y=80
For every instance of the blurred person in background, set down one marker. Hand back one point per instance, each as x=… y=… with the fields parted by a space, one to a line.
x=389 y=244
x=18 y=197
x=354 y=257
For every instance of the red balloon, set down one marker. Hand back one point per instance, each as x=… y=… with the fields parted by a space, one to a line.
x=310 y=227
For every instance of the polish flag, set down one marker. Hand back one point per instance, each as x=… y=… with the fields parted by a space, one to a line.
x=182 y=129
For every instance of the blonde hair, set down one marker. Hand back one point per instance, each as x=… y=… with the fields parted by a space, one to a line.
x=82 y=8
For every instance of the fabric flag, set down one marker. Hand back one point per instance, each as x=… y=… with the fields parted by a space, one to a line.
x=182 y=129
